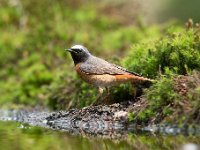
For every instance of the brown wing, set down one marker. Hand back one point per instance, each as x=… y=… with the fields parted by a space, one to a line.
x=99 y=66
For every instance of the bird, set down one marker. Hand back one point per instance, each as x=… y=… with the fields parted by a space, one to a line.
x=99 y=72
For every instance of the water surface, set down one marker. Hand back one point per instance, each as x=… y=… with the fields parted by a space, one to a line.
x=18 y=136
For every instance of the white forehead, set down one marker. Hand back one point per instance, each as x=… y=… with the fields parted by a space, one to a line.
x=77 y=47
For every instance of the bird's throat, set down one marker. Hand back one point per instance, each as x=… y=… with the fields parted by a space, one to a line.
x=78 y=58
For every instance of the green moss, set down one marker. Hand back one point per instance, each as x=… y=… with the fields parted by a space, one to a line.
x=160 y=96
x=161 y=93
x=172 y=99
x=178 y=52
x=131 y=116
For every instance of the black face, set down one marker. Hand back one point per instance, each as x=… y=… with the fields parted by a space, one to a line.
x=79 y=54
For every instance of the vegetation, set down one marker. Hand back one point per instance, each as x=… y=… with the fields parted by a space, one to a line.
x=35 y=69
x=171 y=60
x=172 y=100
x=176 y=52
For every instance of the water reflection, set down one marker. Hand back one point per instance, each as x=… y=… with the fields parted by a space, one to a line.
x=95 y=127
x=34 y=131
x=15 y=136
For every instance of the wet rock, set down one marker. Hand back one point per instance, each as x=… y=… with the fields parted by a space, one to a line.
x=91 y=119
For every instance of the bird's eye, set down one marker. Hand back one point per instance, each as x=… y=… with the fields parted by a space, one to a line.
x=78 y=50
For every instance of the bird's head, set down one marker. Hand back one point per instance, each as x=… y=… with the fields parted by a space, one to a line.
x=79 y=53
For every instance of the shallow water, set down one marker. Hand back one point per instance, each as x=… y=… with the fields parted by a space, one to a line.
x=22 y=137
x=21 y=131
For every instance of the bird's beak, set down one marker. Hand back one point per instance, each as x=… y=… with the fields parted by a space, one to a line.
x=69 y=50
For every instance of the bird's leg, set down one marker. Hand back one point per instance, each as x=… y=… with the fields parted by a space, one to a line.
x=107 y=92
x=100 y=92
x=107 y=98
x=99 y=96
x=134 y=85
x=137 y=90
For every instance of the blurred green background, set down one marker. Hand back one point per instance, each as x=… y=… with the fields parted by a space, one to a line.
x=35 y=69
